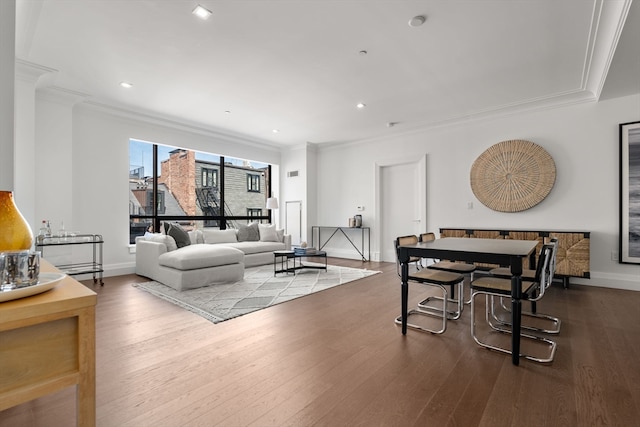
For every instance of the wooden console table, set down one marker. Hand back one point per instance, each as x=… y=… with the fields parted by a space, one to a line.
x=47 y=344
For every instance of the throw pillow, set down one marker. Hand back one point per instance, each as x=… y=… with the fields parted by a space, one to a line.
x=280 y=233
x=196 y=237
x=268 y=233
x=168 y=241
x=179 y=235
x=248 y=233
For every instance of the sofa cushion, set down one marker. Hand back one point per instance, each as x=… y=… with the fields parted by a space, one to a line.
x=219 y=236
x=268 y=233
x=201 y=256
x=248 y=233
x=257 y=247
x=179 y=234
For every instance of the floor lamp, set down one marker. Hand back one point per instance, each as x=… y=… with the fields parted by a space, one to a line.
x=272 y=203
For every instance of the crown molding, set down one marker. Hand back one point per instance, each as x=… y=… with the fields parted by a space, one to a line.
x=173 y=123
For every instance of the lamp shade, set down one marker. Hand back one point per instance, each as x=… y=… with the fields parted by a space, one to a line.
x=272 y=203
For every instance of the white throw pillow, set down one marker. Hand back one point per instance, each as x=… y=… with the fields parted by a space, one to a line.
x=196 y=237
x=219 y=236
x=268 y=233
x=168 y=241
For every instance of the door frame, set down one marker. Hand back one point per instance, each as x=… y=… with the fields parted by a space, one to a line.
x=289 y=203
x=422 y=194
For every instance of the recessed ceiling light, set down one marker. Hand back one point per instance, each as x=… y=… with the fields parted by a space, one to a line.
x=227 y=111
x=126 y=85
x=201 y=12
x=416 y=21
x=363 y=53
x=361 y=105
x=275 y=131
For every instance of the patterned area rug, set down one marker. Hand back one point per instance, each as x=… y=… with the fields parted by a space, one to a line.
x=259 y=289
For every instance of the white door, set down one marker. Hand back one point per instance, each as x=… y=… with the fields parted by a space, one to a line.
x=293 y=221
x=402 y=195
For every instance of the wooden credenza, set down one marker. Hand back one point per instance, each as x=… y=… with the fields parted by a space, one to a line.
x=573 y=257
x=47 y=343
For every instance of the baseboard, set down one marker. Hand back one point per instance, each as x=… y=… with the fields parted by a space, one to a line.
x=609 y=280
x=111 y=270
x=344 y=253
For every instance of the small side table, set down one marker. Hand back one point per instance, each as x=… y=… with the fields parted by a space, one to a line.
x=283 y=258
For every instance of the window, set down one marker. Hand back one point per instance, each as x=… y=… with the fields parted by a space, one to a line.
x=253 y=183
x=193 y=188
x=209 y=177
x=254 y=212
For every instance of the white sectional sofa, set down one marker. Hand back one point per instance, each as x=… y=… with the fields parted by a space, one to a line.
x=213 y=256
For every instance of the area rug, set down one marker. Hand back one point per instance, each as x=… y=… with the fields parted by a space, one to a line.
x=259 y=289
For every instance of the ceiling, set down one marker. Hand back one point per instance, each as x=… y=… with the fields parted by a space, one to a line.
x=296 y=66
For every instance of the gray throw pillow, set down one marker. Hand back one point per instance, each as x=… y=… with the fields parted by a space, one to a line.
x=248 y=233
x=179 y=235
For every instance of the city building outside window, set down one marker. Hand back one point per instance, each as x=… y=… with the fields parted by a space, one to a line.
x=195 y=189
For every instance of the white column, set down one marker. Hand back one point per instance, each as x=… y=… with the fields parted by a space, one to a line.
x=54 y=155
x=7 y=72
x=27 y=76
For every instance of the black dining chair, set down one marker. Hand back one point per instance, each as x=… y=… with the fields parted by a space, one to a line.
x=552 y=323
x=451 y=266
x=495 y=287
x=438 y=279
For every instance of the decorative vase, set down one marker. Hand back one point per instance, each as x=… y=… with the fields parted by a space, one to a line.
x=15 y=233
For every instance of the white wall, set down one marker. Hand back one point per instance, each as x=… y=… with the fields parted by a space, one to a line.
x=301 y=188
x=83 y=154
x=7 y=82
x=582 y=139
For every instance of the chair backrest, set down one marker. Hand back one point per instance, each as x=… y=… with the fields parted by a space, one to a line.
x=406 y=240
x=552 y=261
x=427 y=237
x=401 y=241
x=543 y=272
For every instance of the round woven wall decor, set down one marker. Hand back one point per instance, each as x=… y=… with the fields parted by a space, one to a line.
x=513 y=176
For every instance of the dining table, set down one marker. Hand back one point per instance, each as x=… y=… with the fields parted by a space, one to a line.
x=503 y=252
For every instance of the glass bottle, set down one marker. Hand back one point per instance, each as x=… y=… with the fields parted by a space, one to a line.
x=42 y=232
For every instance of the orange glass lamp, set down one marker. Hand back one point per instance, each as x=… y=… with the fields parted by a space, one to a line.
x=15 y=233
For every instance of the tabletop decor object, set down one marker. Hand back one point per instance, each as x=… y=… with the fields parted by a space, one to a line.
x=513 y=176
x=15 y=233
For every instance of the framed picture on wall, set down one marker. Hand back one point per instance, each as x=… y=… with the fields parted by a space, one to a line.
x=630 y=193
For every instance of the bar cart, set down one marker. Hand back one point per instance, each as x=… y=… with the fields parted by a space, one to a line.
x=94 y=267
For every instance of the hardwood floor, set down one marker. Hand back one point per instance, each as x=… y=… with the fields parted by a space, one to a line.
x=336 y=358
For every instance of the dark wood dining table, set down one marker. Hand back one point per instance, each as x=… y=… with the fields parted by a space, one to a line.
x=504 y=252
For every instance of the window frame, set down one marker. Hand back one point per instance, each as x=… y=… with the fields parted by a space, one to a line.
x=253 y=181
x=155 y=218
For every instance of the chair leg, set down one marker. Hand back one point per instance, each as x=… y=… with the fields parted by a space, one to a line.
x=418 y=312
x=552 y=344
x=436 y=304
x=467 y=302
x=554 y=321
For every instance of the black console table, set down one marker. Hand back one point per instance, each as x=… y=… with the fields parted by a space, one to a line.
x=364 y=252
